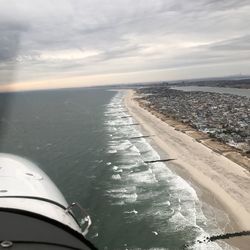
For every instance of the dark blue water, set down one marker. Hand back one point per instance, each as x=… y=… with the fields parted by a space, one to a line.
x=81 y=140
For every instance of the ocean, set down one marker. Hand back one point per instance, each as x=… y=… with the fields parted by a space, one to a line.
x=82 y=138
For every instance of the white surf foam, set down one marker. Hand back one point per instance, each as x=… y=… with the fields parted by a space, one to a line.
x=112 y=151
x=131 y=212
x=172 y=199
x=116 y=177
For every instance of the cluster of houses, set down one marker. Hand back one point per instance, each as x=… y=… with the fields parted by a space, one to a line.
x=223 y=116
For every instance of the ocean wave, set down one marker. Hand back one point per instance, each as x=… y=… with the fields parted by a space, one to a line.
x=131 y=212
x=169 y=202
x=116 y=177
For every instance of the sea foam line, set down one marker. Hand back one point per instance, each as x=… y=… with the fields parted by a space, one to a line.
x=181 y=208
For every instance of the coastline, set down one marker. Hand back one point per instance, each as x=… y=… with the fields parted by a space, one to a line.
x=224 y=182
x=231 y=152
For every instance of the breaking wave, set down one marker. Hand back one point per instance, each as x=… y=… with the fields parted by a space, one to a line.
x=152 y=192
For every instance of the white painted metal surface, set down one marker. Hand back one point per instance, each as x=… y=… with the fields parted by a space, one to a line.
x=20 y=177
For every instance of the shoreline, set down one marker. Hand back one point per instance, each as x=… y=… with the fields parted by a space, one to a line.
x=214 y=174
x=232 y=153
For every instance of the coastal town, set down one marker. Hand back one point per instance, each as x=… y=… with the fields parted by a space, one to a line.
x=224 y=117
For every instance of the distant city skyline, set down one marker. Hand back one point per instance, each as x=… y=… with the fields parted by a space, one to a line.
x=68 y=43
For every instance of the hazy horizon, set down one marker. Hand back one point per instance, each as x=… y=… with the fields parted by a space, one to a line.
x=67 y=43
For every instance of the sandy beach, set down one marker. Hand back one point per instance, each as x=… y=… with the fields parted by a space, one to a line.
x=225 y=181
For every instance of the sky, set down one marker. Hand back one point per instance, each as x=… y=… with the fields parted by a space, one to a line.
x=67 y=43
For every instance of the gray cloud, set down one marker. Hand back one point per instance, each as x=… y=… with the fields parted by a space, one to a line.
x=9 y=40
x=68 y=37
x=235 y=44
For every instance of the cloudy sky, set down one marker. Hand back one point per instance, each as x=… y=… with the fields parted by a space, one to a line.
x=54 y=43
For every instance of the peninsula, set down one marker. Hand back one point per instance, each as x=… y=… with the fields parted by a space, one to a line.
x=226 y=182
